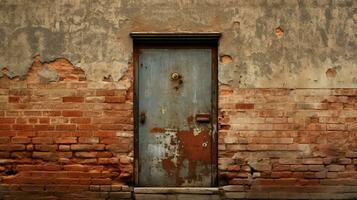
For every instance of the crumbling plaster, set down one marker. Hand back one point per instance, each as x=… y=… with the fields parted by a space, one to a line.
x=269 y=43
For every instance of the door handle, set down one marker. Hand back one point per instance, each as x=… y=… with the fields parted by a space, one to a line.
x=203 y=117
x=142 y=117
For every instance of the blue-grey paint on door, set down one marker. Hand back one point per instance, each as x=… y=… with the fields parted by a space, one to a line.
x=174 y=91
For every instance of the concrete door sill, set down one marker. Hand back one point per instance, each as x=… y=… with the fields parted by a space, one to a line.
x=176 y=190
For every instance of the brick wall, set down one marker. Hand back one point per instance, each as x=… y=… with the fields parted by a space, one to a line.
x=65 y=138
x=288 y=141
x=73 y=139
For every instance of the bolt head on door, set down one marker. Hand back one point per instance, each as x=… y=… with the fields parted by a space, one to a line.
x=175 y=76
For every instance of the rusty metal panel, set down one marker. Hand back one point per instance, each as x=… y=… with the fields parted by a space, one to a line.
x=174 y=91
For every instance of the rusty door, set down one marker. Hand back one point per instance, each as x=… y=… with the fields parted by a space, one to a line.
x=176 y=117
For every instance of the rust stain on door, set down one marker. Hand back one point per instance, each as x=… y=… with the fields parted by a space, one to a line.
x=175 y=139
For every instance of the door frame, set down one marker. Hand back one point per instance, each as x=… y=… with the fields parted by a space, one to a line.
x=177 y=41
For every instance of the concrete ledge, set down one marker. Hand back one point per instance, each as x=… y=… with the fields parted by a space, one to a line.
x=288 y=195
x=176 y=190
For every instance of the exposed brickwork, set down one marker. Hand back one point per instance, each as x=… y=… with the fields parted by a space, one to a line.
x=288 y=140
x=73 y=139
x=70 y=136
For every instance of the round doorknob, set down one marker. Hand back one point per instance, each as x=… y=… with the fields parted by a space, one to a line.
x=205 y=144
x=175 y=76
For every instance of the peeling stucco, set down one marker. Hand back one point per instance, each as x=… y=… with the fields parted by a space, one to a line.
x=272 y=43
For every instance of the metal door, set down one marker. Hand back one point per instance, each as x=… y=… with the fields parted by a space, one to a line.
x=175 y=117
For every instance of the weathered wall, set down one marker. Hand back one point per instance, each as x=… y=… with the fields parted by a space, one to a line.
x=68 y=139
x=66 y=103
x=288 y=143
x=305 y=44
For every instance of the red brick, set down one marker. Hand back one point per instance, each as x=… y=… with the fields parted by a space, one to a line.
x=32 y=113
x=114 y=99
x=64 y=147
x=5 y=127
x=20 y=92
x=65 y=154
x=84 y=120
x=229 y=168
x=82 y=133
x=4 y=155
x=21 y=155
x=267 y=147
x=11 y=113
x=88 y=140
x=21 y=140
x=45 y=147
x=113 y=120
x=32 y=120
x=72 y=113
x=29 y=147
x=76 y=167
x=110 y=140
x=320 y=174
x=313 y=161
x=316 y=127
x=104 y=154
x=86 y=154
x=14 y=99
x=48 y=156
x=336 y=127
x=119 y=148
x=50 y=167
x=44 y=120
x=336 y=168
x=66 y=127
x=281 y=174
x=73 y=99
x=44 y=127
x=7 y=120
x=128 y=160
x=299 y=168
x=23 y=127
x=66 y=140
x=87 y=127
x=7 y=133
x=21 y=121
x=244 y=106
x=12 y=147
x=4 y=140
x=106 y=181
x=32 y=188
x=352 y=126
x=351 y=154
x=42 y=140
x=316 y=168
x=105 y=92
x=111 y=127
x=99 y=99
x=108 y=161
x=87 y=147
x=26 y=133
x=262 y=140
x=52 y=113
